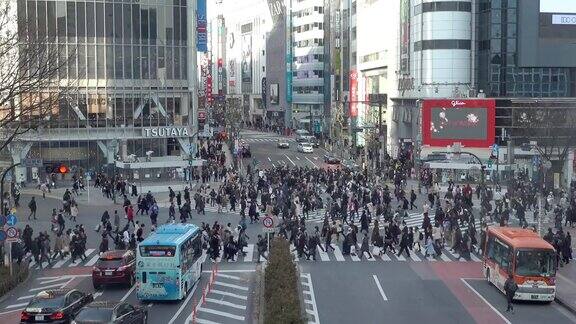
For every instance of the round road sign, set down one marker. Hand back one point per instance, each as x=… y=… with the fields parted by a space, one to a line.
x=268 y=222
x=12 y=232
x=2 y=236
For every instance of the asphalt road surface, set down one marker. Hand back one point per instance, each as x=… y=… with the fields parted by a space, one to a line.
x=265 y=151
x=336 y=288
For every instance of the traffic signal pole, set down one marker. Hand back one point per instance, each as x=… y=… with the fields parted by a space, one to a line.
x=2 y=186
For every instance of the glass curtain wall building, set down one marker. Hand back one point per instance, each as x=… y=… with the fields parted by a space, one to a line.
x=128 y=61
x=498 y=72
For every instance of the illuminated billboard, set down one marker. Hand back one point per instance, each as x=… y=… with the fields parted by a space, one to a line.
x=470 y=122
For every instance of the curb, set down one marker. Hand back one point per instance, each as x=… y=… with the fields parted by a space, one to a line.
x=568 y=306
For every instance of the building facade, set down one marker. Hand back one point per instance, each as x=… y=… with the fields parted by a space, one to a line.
x=307 y=32
x=238 y=40
x=134 y=68
x=434 y=60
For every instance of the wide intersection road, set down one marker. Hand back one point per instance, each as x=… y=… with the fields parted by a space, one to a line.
x=411 y=291
x=266 y=153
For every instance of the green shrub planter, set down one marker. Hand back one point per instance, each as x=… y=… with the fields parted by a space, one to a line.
x=282 y=300
x=8 y=282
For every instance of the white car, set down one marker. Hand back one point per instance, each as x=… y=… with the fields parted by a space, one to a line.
x=305 y=148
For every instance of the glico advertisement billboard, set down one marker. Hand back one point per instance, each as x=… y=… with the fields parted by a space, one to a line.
x=470 y=122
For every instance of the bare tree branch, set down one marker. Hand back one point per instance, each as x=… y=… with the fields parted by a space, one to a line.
x=30 y=90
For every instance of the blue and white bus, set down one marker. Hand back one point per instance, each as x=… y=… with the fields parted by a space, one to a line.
x=169 y=262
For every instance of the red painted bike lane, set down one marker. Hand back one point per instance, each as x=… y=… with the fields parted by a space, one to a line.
x=452 y=274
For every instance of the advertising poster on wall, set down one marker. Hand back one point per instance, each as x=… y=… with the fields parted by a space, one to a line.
x=247 y=58
x=470 y=122
x=558 y=19
x=274 y=93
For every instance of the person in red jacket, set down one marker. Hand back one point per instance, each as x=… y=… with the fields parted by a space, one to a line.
x=130 y=215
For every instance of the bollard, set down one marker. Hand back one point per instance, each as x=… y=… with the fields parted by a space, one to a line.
x=194 y=311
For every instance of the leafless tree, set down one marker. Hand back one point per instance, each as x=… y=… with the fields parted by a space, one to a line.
x=551 y=125
x=30 y=90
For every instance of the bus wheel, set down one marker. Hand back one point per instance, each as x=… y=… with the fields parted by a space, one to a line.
x=185 y=294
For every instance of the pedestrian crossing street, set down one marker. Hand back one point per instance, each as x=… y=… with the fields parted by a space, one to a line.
x=413 y=220
x=66 y=262
x=266 y=139
x=335 y=255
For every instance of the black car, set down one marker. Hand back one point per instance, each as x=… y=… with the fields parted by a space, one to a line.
x=328 y=159
x=55 y=306
x=111 y=312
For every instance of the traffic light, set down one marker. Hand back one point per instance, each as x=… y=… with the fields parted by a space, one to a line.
x=57 y=168
x=63 y=169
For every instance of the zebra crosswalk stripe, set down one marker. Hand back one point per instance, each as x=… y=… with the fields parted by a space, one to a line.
x=249 y=253
x=337 y=253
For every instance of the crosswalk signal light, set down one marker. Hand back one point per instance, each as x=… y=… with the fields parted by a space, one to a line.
x=63 y=169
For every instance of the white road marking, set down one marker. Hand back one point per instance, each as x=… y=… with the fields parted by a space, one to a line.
x=315 y=158
x=224 y=284
x=45 y=282
x=487 y=303
x=202 y=321
x=184 y=304
x=297 y=158
x=74 y=264
x=225 y=303
x=228 y=276
x=93 y=260
x=60 y=263
x=414 y=257
x=323 y=255
x=337 y=253
x=313 y=164
x=216 y=312
x=128 y=293
x=229 y=294
x=312 y=299
x=25 y=297
x=49 y=286
x=354 y=257
x=97 y=294
x=444 y=257
x=385 y=257
x=400 y=257
x=249 y=253
x=269 y=159
x=16 y=305
x=294 y=164
x=380 y=287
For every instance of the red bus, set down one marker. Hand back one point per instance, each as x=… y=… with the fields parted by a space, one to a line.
x=524 y=254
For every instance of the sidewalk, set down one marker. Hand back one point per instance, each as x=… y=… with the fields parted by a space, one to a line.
x=566 y=275
x=566 y=286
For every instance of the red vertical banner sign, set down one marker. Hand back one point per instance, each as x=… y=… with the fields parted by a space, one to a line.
x=220 y=76
x=353 y=93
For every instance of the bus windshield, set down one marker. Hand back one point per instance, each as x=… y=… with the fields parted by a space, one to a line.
x=535 y=263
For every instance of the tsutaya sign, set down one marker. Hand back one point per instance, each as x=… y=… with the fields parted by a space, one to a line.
x=166 y=132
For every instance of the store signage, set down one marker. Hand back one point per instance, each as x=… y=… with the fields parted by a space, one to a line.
x=201 y=26
x=165 y=132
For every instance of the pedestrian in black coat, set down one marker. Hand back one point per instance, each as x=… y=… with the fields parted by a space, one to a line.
x=510 y=287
